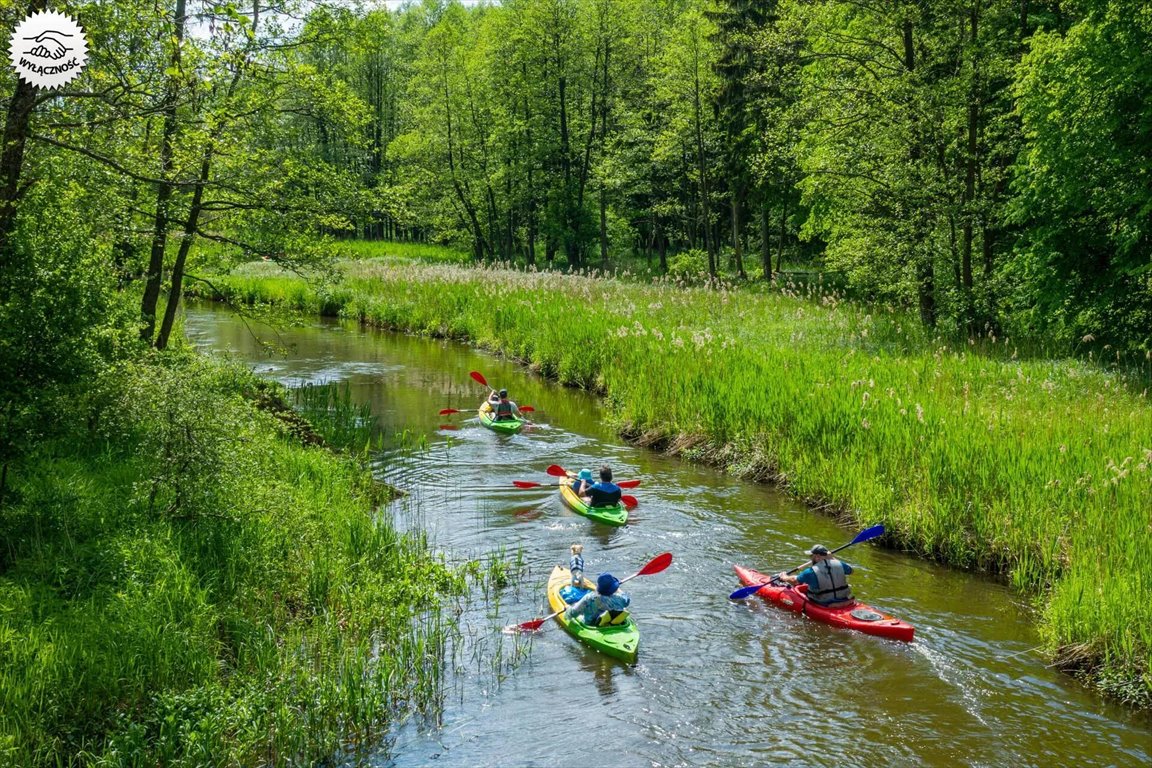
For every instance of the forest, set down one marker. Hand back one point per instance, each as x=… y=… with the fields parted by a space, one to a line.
x=985 y=163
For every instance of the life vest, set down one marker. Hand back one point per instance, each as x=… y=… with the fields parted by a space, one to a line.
x=606 y=610
x=605 y=494
x=612 y=619
x=832 y=583
x=503 y=410
x=576 y=565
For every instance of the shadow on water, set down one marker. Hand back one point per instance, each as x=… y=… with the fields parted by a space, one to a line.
x=717 y=683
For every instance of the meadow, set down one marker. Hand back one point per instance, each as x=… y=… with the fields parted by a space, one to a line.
x=1038 y=469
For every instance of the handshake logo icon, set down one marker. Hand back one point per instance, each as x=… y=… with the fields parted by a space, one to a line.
x=48 y=49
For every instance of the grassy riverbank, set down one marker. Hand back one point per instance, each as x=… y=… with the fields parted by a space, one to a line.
x=184 y=583
x=1036 y=468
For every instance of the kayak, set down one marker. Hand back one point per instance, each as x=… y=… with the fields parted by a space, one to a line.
x=614 y=515
x=857 y=616
x=620 y=642
x=506 y=427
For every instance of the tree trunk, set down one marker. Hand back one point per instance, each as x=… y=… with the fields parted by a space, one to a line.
x=603 y=228
x=970 y=182
x=16 y=124
x=737 y=245
x=765 y=241
x=783 y=233
x=190 y=225
x=709 y=245
x=570 y=250
x=165 y=186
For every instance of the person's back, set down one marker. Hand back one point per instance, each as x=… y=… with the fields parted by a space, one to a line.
x=825 y=578
x=504 y=409
x=604 y=493
x=827 y=582
x=607 y=599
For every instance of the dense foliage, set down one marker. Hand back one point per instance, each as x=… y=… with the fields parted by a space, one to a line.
x=984 y=161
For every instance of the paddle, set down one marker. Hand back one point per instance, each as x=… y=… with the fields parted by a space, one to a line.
x=655 y=565
x=450 y=411
x=558 y=471
x=865 y=535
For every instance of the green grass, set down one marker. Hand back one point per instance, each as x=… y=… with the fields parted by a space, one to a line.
x=181 y=584
x=423 y=252
x=1039 y=469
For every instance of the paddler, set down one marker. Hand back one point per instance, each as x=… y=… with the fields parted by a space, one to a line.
x=604 y=493
x=504 y=409
x=579 y=480
x=604 y=607
x=826 y=578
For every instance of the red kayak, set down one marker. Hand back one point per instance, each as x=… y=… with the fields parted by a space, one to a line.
x=857 y=616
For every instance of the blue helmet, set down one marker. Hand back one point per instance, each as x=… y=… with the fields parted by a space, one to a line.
x=607 y=584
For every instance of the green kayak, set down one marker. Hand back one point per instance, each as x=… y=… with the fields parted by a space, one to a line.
x=620 y=642
x=614 y=515
x=507 y=427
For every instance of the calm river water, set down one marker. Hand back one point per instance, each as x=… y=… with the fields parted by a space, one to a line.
x=718 y=683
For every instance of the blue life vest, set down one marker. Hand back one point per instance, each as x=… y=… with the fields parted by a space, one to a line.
x=605 y=494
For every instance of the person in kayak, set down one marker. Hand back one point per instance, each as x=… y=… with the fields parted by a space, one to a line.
x=504 y=409
x=604 y=493
x=603 y=608
x=578 y=481
x=826 y=579
x=576 y=565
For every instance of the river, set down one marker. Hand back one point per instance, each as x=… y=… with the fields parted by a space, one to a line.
x=718 y=683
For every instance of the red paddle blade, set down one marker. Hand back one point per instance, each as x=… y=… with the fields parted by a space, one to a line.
x=448 y=411
x=628 y=483
x=478 y=377
x=526 y=484
x=531 y=626
x=526 y=409
x=629 y=501
x=656 y=564
x=556 y=470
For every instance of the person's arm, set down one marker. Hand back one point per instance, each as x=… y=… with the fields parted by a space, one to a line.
x=798 y=578
x=579 y=604
x=847 y=568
